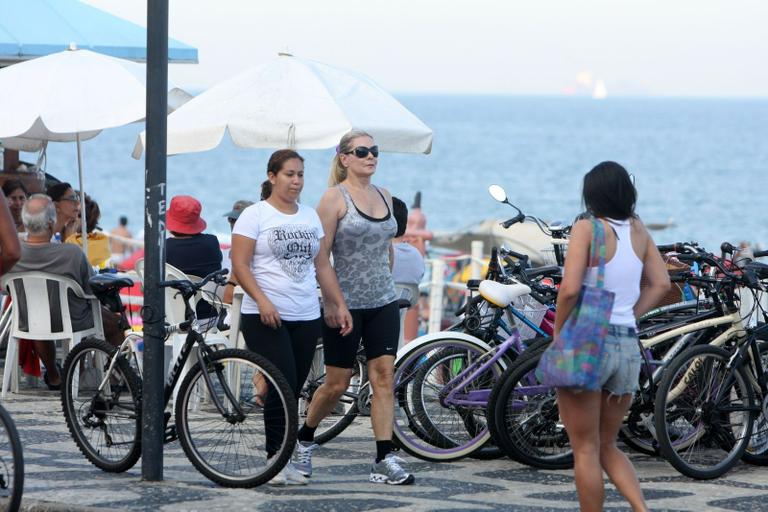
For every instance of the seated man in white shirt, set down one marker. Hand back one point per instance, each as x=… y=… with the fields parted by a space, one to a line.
x=39 y=254
x=408 y=267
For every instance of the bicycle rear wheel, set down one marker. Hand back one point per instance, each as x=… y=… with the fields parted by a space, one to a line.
x=526 y=418
x=106 y=423
x=231 y=448
x=345 y=411
x=703 y=412
x=11 y=464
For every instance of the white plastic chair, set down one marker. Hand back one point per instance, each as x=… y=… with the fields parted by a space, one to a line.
x=35 y=321
x=409 y=292
x=235 y=336
x=174 y=314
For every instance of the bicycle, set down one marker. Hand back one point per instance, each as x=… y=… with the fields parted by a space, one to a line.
x=523 y=414
x=711 y=404
x=355 y=401
x=442 y=383
x=226 y=405
x=11 y=464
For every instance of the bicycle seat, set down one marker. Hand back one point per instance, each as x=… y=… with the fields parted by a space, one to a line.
x=106 y=283
x=502 y=294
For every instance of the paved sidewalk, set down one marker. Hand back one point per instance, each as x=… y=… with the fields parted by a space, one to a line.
x=58 y=478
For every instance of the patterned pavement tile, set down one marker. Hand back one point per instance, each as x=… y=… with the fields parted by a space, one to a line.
x=57 y=472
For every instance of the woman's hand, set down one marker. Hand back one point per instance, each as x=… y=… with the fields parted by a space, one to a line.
x=268 y=313
x=338 y=318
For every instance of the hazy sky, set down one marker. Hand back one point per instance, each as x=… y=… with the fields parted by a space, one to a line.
x=636 y=47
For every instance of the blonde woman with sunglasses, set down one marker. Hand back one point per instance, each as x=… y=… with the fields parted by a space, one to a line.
x=359 y=226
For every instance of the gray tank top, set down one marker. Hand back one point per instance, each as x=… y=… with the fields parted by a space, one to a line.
x=361 y=256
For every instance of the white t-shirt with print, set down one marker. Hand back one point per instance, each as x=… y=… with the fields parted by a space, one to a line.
x=283 y=262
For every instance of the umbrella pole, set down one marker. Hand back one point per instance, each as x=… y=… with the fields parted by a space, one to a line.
x=83 y=227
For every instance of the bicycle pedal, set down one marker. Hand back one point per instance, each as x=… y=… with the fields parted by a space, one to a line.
x=170 y=434
x=166 y=418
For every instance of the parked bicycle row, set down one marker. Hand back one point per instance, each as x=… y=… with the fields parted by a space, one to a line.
x=475 y=390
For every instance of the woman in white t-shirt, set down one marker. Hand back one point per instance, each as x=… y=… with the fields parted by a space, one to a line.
x=276 y=258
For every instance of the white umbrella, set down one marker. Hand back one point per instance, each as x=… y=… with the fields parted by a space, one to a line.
x=296 y=103
x=69 y=96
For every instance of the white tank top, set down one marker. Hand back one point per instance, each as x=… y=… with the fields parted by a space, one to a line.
x=622 y=275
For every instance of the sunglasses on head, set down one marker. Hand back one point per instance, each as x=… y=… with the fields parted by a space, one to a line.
x=362 y=151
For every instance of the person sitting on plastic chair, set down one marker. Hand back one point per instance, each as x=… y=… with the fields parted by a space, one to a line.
x=39 y=254
x=407 y=269
x=190 y=250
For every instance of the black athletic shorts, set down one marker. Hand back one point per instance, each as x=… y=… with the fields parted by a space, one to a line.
x=379 y=329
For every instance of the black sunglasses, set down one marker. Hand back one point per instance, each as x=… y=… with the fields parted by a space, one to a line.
x=362 y=151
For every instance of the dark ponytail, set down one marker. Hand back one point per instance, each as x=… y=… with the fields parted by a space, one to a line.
x=266 y=189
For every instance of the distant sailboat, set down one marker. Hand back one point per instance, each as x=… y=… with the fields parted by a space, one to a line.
x=600 y=92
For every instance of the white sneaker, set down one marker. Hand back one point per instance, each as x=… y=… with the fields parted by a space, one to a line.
x=288 y=476
x=302 y=461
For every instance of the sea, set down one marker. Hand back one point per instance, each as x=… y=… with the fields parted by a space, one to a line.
x=700 y=164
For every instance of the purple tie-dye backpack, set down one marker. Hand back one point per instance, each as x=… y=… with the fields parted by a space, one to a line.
x=572 y=360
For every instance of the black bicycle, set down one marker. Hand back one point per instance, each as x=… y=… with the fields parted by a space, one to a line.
x=11 y=464
x=229 y=407
x=711 y=404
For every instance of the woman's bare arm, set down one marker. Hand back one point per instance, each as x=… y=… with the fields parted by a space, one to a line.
x=576 y=262
x=335 y=307
x=655 y=273
x=9 y=238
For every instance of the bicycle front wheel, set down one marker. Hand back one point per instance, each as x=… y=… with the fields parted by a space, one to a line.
x=11 y=464
x=105 y=421
x=426 y=425
x=240 y=431
x=704 y=412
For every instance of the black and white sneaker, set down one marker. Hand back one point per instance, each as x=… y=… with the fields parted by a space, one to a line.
x=390 y=471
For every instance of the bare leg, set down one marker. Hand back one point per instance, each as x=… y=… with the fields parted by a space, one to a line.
x=46 y=351
x=327 y=395
x=614 y=461
x=381 y=376
x=580 y=413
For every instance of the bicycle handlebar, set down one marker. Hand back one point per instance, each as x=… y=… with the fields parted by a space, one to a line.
x=679 y=247
x=219 y=277
x=760 y=254
x=514 y=220
x=747 y=277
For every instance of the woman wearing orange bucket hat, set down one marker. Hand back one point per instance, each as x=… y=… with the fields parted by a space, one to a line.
x=190 y=250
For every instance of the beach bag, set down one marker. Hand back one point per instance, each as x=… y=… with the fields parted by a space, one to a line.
x=573 y=359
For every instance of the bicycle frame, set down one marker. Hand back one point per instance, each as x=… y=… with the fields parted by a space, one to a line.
x=735 y=331
x=477 y=398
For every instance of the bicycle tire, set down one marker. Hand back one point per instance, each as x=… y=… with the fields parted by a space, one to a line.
x=193 y=403
x=533 y=436
x=11 y=465
x=335 y=423
x=638 y=431
x=86 y=419
x=410 y=434
x=538 y=344
x=756 y=452
x=689 y=419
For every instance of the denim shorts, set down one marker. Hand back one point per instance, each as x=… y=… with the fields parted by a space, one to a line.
x=620 y=367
